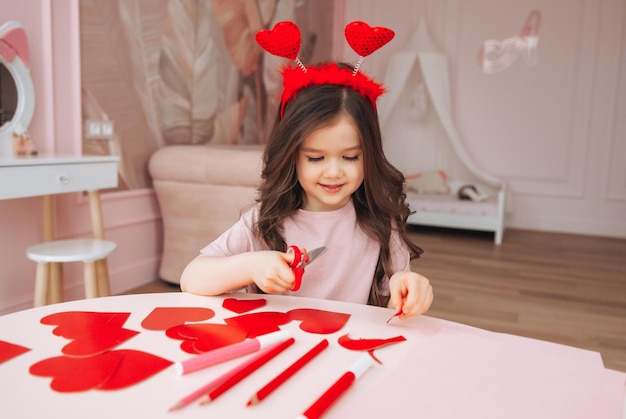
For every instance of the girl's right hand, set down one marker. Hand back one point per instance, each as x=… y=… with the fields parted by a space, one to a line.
x=271 y=272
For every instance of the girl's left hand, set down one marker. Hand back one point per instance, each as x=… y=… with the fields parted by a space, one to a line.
x=410 y=293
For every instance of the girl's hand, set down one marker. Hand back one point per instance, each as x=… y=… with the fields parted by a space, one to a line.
x=271 y=272
x=411 y=293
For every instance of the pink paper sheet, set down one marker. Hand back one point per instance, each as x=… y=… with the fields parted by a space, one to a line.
x=468 y=374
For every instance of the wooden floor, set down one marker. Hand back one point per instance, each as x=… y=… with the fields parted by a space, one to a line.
x=561 y=288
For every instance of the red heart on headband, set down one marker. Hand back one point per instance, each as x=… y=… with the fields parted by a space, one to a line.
x=283 y=40
x=364 y=39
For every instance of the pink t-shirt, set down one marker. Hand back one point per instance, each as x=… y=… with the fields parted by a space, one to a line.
x=344 y=272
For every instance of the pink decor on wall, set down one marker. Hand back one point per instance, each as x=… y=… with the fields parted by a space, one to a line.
x=13 y=43
x=495 y=56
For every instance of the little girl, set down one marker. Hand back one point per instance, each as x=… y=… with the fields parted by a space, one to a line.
x=325 y=182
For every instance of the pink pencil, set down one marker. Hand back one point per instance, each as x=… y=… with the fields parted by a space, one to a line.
x=230 y=378
x=338 y=388
x=187 y=400
x=230 y=352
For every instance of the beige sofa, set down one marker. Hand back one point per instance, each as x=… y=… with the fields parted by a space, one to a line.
x=201 y=190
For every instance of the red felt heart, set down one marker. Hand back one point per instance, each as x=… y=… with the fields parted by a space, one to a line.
x=364 y=39
x=111 y=370
x=10 y=350
x=162 y=318
x=91 y=332
x=200 y=338
x=257 y=324
x=318 y=321
x=243 y=306
x=283 y=40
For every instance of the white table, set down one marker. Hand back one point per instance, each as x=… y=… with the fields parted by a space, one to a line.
x=442 y=370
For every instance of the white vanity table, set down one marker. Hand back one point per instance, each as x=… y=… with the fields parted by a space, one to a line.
x=28 y=175
x=22 y=177
x=46 y=176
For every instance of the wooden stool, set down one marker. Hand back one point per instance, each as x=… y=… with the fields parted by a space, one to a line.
x=52 y=253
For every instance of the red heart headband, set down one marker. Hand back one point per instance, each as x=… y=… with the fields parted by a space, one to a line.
x=284 y=41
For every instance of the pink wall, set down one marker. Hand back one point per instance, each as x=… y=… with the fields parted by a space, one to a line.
x=131 y=218
x=562 y=154
x=555 y=132
x=22 y=218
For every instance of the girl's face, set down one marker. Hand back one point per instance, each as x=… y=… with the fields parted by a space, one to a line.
x=330 y=165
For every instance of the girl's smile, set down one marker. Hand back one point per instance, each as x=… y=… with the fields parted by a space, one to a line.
x=330 y=165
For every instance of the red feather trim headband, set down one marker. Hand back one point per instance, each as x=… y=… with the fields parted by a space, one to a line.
x=284 y=41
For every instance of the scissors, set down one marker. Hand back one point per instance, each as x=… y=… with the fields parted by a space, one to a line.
x=300 y=260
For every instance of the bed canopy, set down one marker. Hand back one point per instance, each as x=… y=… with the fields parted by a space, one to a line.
x=416 y=116
x=420 y=137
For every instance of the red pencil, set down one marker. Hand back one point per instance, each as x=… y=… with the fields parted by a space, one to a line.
x=338 y=388
x=243 y=370
x=287 y=373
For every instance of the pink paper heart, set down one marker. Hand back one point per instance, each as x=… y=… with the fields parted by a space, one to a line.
x=162 y=318
x=243 y=306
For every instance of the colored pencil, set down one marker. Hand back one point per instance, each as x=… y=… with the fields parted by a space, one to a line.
x=207 y=388
x=229 y=352
x=187 y=400
x=243 y=370
x=338 y=388
x=287 y=373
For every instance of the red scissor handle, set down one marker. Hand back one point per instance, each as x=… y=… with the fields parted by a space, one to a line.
x=297 y=265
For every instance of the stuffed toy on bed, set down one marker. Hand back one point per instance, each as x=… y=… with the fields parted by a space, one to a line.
x=434 y=182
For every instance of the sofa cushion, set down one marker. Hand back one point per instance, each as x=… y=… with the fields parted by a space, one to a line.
x=201 y=190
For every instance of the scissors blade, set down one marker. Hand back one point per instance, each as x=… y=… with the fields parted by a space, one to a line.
x=314 y=254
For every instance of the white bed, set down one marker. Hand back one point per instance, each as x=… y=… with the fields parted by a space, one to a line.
x=421 y=137
x=451 y=212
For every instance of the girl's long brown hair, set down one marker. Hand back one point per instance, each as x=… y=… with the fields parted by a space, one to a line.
x=380 y=201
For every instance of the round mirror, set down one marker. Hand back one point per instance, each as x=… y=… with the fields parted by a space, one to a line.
x=17 y=94
x=8 y=95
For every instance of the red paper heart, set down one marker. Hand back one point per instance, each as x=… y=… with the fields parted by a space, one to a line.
x=91 y=332
x=242 y=306
x=256 y=324
x=10 y=350
x=162 y=318
x=283 y=40
x=364 y=39
x=367 y=344
x=318 y=321
x=111 y=370
x=200 y=338
x=134 y=367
